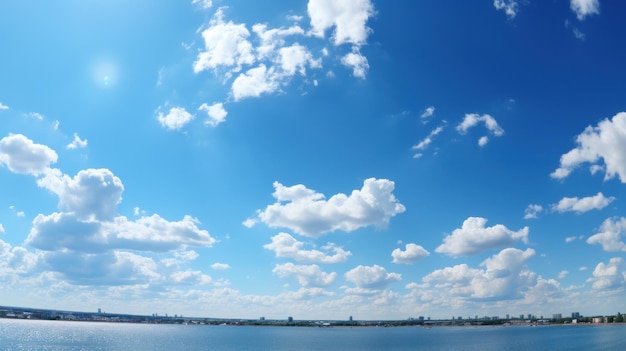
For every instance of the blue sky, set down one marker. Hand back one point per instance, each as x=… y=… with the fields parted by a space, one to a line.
x=315 y=159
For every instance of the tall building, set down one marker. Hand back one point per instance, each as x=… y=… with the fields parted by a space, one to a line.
x=575 y=315
x=557 y=316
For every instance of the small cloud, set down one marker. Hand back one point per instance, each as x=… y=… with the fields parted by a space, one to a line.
x=532 y=211
x=2 y=229
x=483 y=141
x=220 y=266
x=176 y=118
x=428 y=112
x=578 y=34
x=562 y=274
x=35 y=115
x=216 y=113
x=205 y=4
x=3 y=106
x=357 y=62
x=422 y=145
x=584 y=8
x=411 y=254
x=249 y=223
x=508 y=6
x=55 y=124
x=77 y=143
x=569 y=239
x=582 y=268
x=472 y=119
x=582 y=205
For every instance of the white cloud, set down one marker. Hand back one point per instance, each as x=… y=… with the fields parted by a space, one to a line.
x=2 y=231
x=3 y=106
x=584 y=8
x=569 y=239
x=483 y=141
x=574 y=204
x=284 y=245
x=606 y=141
x=562 y=274
x=35 y=115
x=505 y=276
x=220 y=266
x=307 y=213
x=422 y=145
x=609 y=276
x=77 y=143
x=256 y=81
x=294 y=59
x=371 y=277
x=473 y=119
x=411 y=254
x=508 y=6
x=92 y=194
x=348 y=17
x=430 y=110
x=578 y=34
x=611 y=235
x=22 y=155
x=473 y=237
x=249 y=222
x=307 y=275
x=216 y=113
x=205 y=4
x=532 y=211
x=226 y=45
x=357 y=62
x=176 y=118
x=271 y=38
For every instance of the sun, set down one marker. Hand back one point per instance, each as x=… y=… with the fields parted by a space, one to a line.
x=105 y=74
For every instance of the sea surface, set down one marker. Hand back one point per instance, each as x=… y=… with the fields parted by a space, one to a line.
x=63 y=335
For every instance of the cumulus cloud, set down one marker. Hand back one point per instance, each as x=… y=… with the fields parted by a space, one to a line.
x=606 y=141
x=64 y=231
x=294 y=59
x=307 y=213
x=584 y=8
x=574 y=204
x=609 y=276
x=611 y=235
x=22 y=155
x=371 y=277
x=92 y=194
x=472 y=119
x=348 y=17
x=284 y=245
x=473 y=237
x=357 y=62
x=3 y=106
x=532 y=211
x=563 y=274
x=175 y=119
x=411 y=254
x=307 y=275
x=255 y=82
x=77 y=143
x=508 y=6
x=505 y=276
x=226 y=44
x=216 y=113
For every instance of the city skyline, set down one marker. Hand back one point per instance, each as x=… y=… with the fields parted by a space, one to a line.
x=316 y=158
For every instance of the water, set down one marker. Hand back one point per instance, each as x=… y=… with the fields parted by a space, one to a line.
x=60 y=335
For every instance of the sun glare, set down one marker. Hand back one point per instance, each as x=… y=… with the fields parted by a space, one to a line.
x=105 y=74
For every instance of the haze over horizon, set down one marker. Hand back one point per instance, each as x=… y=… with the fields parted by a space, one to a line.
x=317 y=159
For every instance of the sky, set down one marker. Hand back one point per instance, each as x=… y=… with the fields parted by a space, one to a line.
x=318 y=159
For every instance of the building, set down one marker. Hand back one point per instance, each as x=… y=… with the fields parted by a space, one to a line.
x=557 y=316
x=575 y=315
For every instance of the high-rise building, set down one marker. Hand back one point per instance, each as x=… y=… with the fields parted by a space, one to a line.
x=575 y=315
